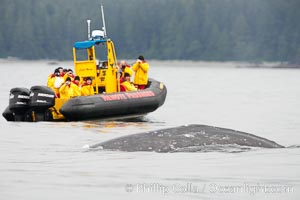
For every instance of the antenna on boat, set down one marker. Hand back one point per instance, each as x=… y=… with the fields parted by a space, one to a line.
x=103 y=21
x=89 y=28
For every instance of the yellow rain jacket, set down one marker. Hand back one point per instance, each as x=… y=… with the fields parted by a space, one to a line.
x=66 y=92
x=76 y=90
x=87 y=90
x=55 y=83
x=49 y=80
x=141 y=73
x=127 y=70
x=69 y=75
x=128 y=86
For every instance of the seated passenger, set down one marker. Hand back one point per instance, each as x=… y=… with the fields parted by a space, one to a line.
x=76 y=81
x=87 y=88
x=66 y=91
x=76 y=86
x=127 y=84
x=123 y=68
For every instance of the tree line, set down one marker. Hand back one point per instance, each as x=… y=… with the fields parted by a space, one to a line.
x=211 y=30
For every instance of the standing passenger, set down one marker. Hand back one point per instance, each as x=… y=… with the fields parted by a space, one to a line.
x=140 y=68
x=49 y=80
x=55 y=82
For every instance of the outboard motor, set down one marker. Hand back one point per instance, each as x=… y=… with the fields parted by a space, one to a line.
x=8 y=114
x=19 y=102
x=41 y=99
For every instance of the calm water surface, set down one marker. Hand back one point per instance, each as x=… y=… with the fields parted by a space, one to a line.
x=47 y=160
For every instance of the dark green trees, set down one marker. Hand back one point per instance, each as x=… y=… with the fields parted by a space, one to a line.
x=219 y=30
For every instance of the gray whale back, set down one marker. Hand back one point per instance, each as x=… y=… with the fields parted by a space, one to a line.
x=186 y=138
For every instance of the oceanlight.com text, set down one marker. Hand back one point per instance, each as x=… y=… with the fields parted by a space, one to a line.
x=250 y=188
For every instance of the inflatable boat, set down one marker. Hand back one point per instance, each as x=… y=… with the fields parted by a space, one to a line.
x=40 y=103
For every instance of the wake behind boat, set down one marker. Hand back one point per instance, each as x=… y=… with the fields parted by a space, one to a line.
x=41 y=103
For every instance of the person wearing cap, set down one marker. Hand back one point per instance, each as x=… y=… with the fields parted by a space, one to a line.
x=127 y=85
x=140 y=67
x=66 y=91
x=87 y=88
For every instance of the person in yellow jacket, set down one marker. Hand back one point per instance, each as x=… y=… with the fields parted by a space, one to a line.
x=50 y=77
x=124 y=68
x=55 y=82
x=87 y=88
x=127 y=84
x=70 y=74
x=140 y=67
x=76 y=86
x=66 y=91
x=56 y=71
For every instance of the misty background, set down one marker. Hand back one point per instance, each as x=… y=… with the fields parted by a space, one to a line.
x=209 y=30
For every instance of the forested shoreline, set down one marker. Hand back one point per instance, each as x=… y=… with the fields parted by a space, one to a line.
x=209 y=30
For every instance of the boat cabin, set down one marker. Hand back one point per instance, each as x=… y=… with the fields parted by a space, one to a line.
x=104 y=74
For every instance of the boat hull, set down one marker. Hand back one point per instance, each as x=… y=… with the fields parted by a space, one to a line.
x=120 y=104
